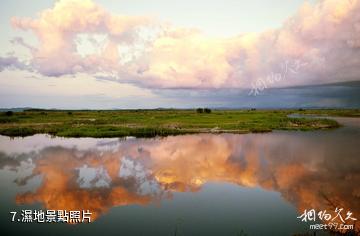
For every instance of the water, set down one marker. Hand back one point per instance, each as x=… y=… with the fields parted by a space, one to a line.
x=205 y=184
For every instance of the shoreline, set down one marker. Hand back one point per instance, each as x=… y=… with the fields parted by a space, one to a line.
x=152 y=123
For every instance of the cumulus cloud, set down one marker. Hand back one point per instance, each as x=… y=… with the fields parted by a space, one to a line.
x=11 y=62
x=320 y=43
x=57 y=29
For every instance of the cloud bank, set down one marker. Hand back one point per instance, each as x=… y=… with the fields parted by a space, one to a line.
x=11 y=62
x=319 y=44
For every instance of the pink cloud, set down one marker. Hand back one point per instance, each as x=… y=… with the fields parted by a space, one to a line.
x=57 y=28
x=325 y=37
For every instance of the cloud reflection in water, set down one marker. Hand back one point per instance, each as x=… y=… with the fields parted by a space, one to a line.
x=317 y=170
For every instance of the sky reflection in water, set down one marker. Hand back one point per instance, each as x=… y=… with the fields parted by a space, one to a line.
x=317 y=170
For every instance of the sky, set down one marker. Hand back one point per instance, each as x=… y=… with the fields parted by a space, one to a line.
x=147 y=54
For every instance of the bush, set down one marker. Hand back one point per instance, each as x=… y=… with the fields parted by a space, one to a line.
x=200 y=110
x=18 y=131
x=70 y=113
x=207 y=110
x=9 y=113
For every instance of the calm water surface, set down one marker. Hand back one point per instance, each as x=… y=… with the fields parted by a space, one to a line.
x=203 y=184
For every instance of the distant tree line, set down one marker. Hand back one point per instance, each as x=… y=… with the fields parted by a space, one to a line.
x=203 y=110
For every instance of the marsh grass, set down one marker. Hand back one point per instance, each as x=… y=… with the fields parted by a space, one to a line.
x=151 y=123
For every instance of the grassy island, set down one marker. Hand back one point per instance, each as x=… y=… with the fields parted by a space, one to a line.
x=150 y=123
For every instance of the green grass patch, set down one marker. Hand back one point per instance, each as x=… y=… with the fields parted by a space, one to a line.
x=150 y=123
